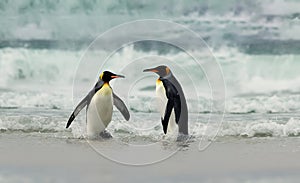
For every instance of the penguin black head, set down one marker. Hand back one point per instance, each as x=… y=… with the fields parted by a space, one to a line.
x=106 y=76
x=161 y=70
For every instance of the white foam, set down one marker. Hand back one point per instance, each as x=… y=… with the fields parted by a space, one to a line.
x=278 y=7
x=50 y=100
x=263 y=104
x=261 y=128
x=36 y=66
x=43 y=78
x=214 y=19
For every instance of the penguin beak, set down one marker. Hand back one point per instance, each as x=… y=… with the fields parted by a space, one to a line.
x=151 y=70
x=117 y=76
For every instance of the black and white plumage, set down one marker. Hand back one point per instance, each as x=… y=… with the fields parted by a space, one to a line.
x=172 y=106
x=99 y=102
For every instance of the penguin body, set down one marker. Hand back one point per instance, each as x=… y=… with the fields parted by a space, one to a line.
x=99 y=111
x=99 y=102
x=173 y=106
x=162 y=101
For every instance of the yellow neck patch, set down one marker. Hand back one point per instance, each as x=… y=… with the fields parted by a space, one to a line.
x=105 y=90
x=158 y=81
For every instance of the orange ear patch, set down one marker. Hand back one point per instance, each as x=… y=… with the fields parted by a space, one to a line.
x=167 y=70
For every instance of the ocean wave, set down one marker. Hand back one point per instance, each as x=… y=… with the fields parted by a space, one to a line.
x=269 y=128
x=235 y=23
x=243 y=129
x=36 y=66
x=29 y=124
x=263 y=104
x=29 y=99
x=145 y=126
x=44 y=78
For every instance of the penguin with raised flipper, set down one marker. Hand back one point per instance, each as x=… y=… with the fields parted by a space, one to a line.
x=99 y=102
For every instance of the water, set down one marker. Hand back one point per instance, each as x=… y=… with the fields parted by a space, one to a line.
x=41 y=80
x=256 y=44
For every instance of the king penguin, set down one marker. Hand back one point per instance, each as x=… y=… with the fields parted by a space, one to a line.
x=99 y=106
x=173 y=107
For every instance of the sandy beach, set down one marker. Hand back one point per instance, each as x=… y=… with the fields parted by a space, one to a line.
x=34 y=159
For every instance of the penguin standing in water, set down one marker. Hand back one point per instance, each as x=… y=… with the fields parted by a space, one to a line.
x=173 y=109
x=99 y=102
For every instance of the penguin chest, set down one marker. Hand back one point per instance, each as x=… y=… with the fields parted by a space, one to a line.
x=162 y=101
x=161 y=97
x=99 y=112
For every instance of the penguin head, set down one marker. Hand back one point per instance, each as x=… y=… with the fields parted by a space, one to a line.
x=106 y=76
x=161 y=70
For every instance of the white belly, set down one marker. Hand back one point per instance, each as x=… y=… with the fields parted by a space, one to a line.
x=162 y=103
x=99 y=112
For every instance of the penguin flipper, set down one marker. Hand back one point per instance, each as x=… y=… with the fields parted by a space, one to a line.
x=165 y=120
x=79 y=107
x=177 y=109
x=85 y=102
x=121 y=106
x=181 y=115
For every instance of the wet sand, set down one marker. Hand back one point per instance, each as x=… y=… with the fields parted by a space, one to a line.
x=36 y=159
